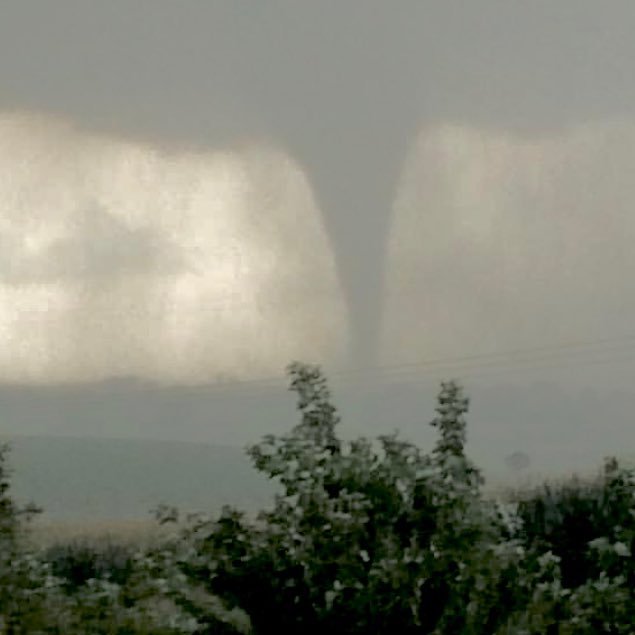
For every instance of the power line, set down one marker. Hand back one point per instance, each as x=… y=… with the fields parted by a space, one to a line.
x=502 y=354
x=549 y=357
x=507 y=369
x=545 y=356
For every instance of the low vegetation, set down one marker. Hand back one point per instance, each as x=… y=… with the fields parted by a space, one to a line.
x=368 y=536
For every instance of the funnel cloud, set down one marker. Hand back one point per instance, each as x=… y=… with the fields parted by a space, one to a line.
x=201 y=191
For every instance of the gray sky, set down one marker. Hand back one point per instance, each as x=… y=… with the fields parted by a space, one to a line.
x=192 y=190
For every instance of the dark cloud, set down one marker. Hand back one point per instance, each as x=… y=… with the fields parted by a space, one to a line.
x=204 y=68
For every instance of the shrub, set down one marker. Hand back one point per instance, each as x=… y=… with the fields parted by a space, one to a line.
x=375 y=536
x=367 y=536
x=78 y=561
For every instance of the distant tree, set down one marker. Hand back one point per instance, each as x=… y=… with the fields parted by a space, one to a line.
x=517 y=461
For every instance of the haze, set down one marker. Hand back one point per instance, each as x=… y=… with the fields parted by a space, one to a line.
x=201 y=191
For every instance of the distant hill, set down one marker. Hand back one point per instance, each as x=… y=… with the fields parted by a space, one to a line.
x=91 y=480
x=183 y=445
x=88 y=479
x=560 y=429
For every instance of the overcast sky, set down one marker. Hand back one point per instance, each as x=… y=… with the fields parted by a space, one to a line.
x=192 y=190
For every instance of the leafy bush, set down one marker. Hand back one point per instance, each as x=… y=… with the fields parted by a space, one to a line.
x=587 y=530
x=78 y=561
x=366 y=536
x=374 y=536
x=75 y=590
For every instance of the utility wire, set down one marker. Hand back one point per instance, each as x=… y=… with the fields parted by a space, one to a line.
x=545 y=356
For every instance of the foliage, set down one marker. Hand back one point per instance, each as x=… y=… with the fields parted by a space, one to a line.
x=79 y=561
x=366 y=536
x=375 y=536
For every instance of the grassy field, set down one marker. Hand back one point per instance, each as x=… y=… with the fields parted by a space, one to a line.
x=136 y=533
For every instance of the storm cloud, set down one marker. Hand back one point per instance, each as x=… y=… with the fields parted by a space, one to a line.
x=124 y=258
x=502 y=241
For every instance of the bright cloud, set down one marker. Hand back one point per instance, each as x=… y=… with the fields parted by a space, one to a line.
x=125 y=258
